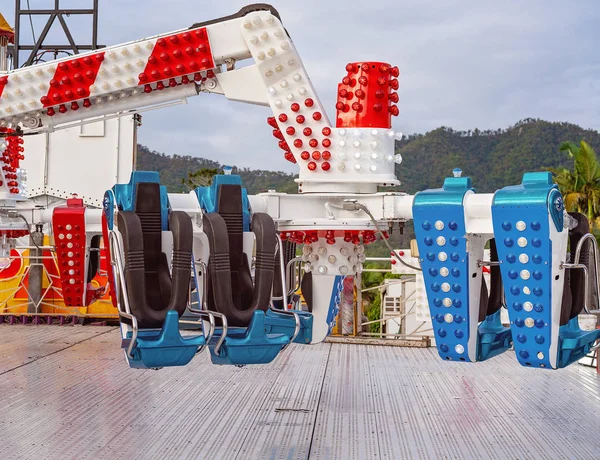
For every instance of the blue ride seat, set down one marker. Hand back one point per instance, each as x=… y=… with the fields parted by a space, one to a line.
x=466 y=320
x=255 y=334
x=156 y=294
x=278 y=322
x=248 y=345
x=543 y=297
x=164 y=348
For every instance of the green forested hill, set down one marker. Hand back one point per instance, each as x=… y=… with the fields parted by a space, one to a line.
x=174 y=168
x=492 y=159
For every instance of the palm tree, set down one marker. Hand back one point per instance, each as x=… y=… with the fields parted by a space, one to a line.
x=581 y=186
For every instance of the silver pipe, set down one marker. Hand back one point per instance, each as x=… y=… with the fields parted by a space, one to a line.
x=211 y=314
x=586 y=275
x=589 y=236
x=282 y=272
x=295 y=277
x=121 y=288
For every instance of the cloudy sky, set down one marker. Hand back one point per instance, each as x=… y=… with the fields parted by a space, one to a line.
x=463 y=63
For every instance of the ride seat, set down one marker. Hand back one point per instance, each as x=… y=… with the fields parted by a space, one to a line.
x=153 y=289
x=230 y=287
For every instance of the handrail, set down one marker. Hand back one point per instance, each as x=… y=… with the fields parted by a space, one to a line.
x=121 y=288
x=211 y=319
x=488 y=263
x=286 y=310
x=282 y=272
x=204 y=311
x=296 y=278
x=594 y=243
x=579 y=266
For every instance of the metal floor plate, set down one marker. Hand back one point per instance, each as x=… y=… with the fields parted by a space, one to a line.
x=67 y=393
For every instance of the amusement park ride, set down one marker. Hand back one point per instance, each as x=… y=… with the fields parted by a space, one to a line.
x=227 y=256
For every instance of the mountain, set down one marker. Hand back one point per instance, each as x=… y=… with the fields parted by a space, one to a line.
x=176 y=167
x=493 y=159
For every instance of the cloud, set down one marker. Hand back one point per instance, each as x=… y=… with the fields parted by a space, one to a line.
x=464 y=64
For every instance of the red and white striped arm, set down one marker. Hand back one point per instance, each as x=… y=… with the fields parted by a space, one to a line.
x=122 y=77
x=359 y=149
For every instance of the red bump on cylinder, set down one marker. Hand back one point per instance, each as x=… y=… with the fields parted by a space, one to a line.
x=363 y=105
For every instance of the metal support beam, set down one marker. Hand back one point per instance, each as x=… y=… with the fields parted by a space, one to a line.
x=35 y=271
x=53 y=13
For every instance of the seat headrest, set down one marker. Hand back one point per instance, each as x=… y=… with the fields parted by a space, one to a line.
x=147 y=197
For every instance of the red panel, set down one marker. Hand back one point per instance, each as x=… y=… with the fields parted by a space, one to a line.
x=72 y=80
x=178 y=55
x=367 y=97
x=68 y=226
x=3 y=83
x=109 y=267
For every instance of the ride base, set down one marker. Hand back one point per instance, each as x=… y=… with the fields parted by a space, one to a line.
x=67 y=394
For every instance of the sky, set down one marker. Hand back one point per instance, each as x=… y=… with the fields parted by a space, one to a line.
x=464 y=64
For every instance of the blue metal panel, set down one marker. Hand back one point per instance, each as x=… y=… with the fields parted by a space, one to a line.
x=108 y=208
x=125 y=195
x=334 y=302
x=164 y=348
x=208 y=196
x=442 y=240
x=521 y=226
x=521 y=216
x=440 y=230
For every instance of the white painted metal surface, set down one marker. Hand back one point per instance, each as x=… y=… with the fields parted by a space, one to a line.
x=86 y=160
x=68 y=394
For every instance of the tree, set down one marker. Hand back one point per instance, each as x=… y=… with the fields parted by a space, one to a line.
x=201 y=178
x=580 y=187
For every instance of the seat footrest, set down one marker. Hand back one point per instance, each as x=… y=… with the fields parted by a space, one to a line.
x=284 y=323
x=574 y=343
x=251 y=345
x=164 y=348
x=493 y=338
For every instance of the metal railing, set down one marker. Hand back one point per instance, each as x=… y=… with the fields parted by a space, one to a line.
x=203 y=310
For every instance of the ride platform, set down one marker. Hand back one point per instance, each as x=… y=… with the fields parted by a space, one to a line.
x=68 y=393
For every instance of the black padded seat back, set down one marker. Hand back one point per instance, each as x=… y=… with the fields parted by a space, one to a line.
x=220 y=280
x=231 y=290
x=152 y=289
x=264 y=230
x=229 y=207
x=181 y=227
x=492 y=302
x=158 y=281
